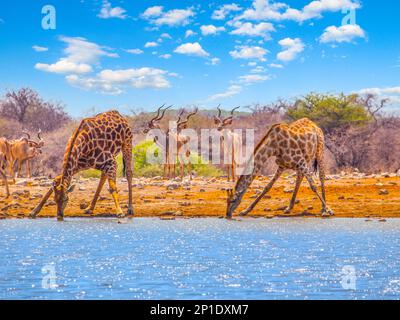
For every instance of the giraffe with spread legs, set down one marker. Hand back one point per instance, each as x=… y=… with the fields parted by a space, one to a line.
x=94 y=144
x=298 y=146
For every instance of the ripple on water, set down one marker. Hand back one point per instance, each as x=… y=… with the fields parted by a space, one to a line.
x=199 y=259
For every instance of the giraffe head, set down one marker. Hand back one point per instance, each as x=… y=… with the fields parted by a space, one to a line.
x=155 y=122
x=232 y=202
x=61 y=195
x=222 y=123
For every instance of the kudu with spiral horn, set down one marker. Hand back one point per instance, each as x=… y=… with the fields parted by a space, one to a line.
x=183 y=142
x=24 y=150
x=154 y=124
x=230 y=141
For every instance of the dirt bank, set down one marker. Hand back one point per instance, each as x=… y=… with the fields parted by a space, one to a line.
x=349 y=196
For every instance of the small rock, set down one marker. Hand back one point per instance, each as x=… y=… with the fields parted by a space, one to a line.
x=383 y=192
x=83 y=205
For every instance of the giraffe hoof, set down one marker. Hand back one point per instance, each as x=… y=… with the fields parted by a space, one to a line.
x=88 y=211
x=243 y=213
x=130 y=212
x=287 y=211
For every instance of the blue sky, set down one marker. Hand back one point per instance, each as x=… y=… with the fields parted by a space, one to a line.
x=140 y=54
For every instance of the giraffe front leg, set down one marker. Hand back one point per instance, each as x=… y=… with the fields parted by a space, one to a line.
x=103 y=179
x=114 y=193
x=278 y=173
x=299 y=179
x=326 y=212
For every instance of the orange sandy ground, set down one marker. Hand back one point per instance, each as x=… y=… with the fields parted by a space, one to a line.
x=358 y=198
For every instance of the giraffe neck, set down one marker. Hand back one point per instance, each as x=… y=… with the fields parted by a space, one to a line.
x=70 y=164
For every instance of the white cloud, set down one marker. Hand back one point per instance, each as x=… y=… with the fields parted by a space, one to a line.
x=176 y=17
x=341 y=34
x=64 y=66
x=189 y=33
x=267 y=10
x=151 y=12
x=210 y=29
x=107 y=11
x=262 y=29
x=291 y=48
x=253 y=78
x=192 y=49
x=115 y=81
x=224 y=10
x=276 y=65
x=134 y=51
x=230 y=92
x=390 y=93
x=258 y=69
x=80 y=55
x=80 y=50
x=165 y=56
x=215 y=61
x=247 y=52
x=151 y=44
x=166 y=36
x=39 y=48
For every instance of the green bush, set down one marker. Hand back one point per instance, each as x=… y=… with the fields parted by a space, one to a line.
x=330 y=111
x=142 y=168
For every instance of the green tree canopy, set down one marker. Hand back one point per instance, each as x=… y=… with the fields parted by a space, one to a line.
x=331 y=111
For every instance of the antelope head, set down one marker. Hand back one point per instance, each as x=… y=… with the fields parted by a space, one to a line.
x=154 y=123
x=183 y=124
x=221 y=122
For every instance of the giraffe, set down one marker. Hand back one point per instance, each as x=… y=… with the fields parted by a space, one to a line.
x=298 y=146
x=4 y=155
x=230 y=142
x=94 y=144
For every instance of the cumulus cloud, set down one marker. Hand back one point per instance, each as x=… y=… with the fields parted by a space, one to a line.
x=151 y=44
x=230 y=92
x=165 y=56
x=108 y=12
x=224 y=10
x=64 y=66
x=192 y=49
x=247 y=52
x=291 y=49
x=253 y=78
x=115 y=81
x=262 y=29
x=39 y=48
x=346 y=33
x=210 y=29
x=189 y=33
x=134 y=51
x=80 y=55
x=176 y=17
x=276 y=65
x=268 y=10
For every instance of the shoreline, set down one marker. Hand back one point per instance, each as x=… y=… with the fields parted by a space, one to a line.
x=357 y=196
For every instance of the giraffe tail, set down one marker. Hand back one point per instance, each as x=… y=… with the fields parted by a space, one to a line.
x=315 y=166
x=123 y=167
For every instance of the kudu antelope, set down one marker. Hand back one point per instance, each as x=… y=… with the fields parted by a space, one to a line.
x=230 y=142
x=154 y=124
x=298 y=146
x=183 y=142
x=5 y=154
x=94 y=144
x=24 y=150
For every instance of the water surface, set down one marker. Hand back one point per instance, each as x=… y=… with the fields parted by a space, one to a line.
x=199 y=259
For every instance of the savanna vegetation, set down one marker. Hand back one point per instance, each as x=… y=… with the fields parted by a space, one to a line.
x=359 y=133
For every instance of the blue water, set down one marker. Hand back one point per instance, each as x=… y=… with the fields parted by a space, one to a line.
x=199 y=259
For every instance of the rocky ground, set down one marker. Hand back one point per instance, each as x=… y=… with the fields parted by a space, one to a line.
x=349 y=195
